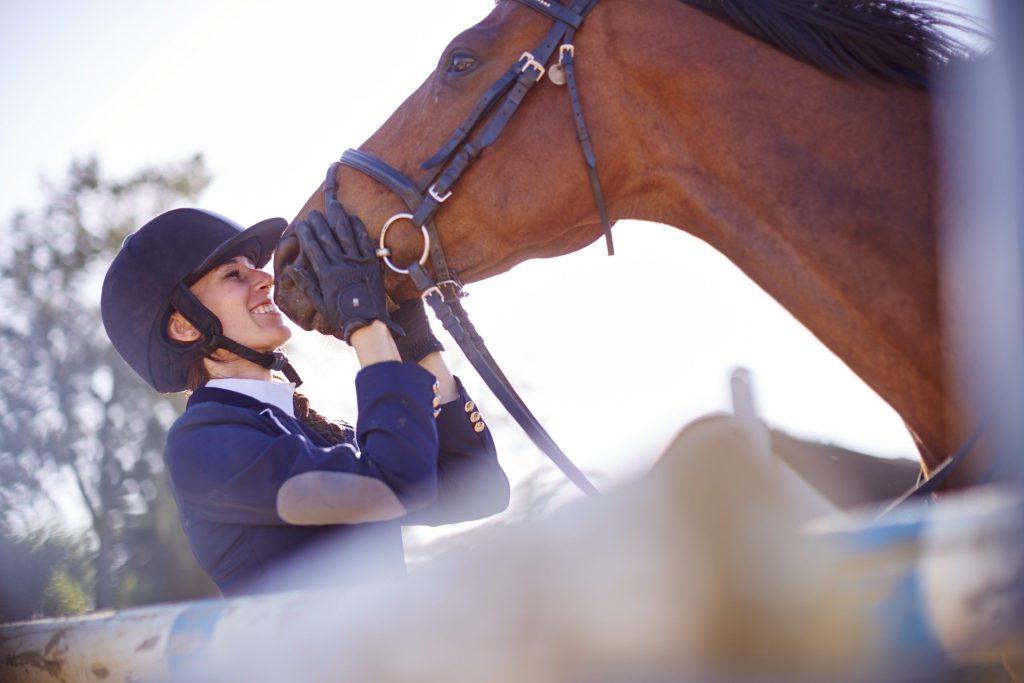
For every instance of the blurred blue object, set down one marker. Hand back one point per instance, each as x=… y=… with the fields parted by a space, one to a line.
x=983 y=238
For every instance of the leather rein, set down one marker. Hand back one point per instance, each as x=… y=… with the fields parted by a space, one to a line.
x=443 y=292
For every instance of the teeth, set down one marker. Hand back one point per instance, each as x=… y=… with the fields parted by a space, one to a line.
x=266 y=308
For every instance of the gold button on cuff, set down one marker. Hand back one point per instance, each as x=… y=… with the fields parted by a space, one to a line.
x=437 y=401
x=474 y=417
x=479 y=427
x=470 y=406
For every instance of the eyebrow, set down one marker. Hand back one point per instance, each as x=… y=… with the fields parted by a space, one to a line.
x=233 y=262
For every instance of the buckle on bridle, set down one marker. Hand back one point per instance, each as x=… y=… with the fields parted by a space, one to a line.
x=385 y=254
x=440 y=199
x=532 y=62
x=432 y=290
x=456 y=286
x=563 y=48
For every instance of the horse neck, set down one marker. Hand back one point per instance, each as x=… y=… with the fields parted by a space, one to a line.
x=821 y=191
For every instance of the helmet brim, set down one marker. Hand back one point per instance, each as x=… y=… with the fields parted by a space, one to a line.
x=256 y=242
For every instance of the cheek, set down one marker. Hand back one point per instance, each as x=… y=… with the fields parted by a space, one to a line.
x=229 y=304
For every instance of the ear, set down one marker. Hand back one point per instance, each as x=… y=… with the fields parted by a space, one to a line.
x=181 y=330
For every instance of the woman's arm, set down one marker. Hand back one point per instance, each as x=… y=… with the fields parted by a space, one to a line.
x=321 y=497
x=342 y=498
x=233 y=465
x=470 y=481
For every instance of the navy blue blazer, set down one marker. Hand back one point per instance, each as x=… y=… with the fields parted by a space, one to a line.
x=228 y=454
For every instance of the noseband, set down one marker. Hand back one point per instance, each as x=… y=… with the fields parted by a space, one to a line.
x=488 y=119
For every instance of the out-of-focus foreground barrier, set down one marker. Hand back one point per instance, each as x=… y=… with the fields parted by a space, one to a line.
x=697 y=570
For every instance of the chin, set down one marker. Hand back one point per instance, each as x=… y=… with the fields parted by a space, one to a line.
x=272 y=338
x=283 y=335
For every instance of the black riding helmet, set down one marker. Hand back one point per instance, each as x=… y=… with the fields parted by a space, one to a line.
x=149 y=278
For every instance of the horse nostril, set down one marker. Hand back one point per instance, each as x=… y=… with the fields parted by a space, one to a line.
x=286 y=253
x=293 y=302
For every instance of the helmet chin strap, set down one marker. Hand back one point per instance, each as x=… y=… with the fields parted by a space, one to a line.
x=271 y=360
x=186 y=303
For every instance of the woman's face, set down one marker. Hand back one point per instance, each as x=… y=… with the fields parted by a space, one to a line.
x=239 y=294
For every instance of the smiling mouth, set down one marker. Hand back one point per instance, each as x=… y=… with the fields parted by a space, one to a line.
x=263 y=309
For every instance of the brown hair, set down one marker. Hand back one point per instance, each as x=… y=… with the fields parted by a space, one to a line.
x=334 y=431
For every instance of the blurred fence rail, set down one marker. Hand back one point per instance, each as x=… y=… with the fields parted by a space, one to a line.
x=699 y=569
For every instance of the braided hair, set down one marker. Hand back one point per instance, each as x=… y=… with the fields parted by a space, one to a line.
x=334 y=431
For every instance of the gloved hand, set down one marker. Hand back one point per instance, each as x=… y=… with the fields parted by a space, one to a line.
x=346 y=285
x=419 y=341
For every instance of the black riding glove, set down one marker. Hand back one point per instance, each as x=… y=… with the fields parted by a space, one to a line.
x=346 y=285
x=419 y=341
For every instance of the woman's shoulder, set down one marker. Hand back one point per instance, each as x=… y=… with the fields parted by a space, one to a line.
x=208 y=423
x=204 y=415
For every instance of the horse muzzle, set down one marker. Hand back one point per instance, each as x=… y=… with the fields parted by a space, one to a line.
x=288 y=297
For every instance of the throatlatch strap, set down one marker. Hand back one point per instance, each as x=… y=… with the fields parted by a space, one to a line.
x=568 y=60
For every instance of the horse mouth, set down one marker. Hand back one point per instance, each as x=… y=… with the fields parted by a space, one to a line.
x=287 y=295
x=297 y=306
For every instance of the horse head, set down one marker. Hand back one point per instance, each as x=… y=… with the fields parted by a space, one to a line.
x=526 y=196
x=794 y=137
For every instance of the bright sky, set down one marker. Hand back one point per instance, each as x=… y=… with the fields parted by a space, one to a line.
x=272 y=92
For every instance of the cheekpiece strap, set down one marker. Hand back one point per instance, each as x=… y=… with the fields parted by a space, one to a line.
x=186 y=303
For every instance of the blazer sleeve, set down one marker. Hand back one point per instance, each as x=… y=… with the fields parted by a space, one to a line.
x=470 y=482
x=227 y=463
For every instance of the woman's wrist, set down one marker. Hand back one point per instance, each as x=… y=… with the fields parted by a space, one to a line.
x=418 y=341
x=434 y=363
x=374 y=344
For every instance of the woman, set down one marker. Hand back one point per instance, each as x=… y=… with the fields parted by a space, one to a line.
x=259 y=476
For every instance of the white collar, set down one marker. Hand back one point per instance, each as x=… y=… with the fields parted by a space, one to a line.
x=278 y=394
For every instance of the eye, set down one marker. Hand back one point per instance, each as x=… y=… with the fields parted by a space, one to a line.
x=234 y=272
x=460 y=63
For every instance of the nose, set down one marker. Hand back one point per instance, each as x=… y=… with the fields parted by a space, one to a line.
x=261 y=280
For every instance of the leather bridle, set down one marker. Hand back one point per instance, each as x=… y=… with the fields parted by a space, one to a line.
x=488 y=119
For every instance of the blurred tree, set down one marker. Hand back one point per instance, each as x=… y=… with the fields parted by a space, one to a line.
x=42 y=573
x=70 y=407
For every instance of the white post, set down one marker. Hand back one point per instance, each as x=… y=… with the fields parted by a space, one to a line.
x=744 y=407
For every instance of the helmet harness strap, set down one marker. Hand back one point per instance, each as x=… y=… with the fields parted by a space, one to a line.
x=186 y=303
x=271 y=360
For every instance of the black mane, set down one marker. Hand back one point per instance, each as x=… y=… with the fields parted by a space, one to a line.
x=892 y=41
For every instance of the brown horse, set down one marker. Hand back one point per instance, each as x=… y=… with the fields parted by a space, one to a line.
x=795 y=137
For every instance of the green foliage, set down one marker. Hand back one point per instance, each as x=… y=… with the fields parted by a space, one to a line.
x=43 y=574
x=70 y=408
x=63 y=594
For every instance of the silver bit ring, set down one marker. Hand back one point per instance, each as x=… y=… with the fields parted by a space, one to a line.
x=384 y=253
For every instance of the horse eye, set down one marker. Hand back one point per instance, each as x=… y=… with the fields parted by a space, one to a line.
x=461 y=63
